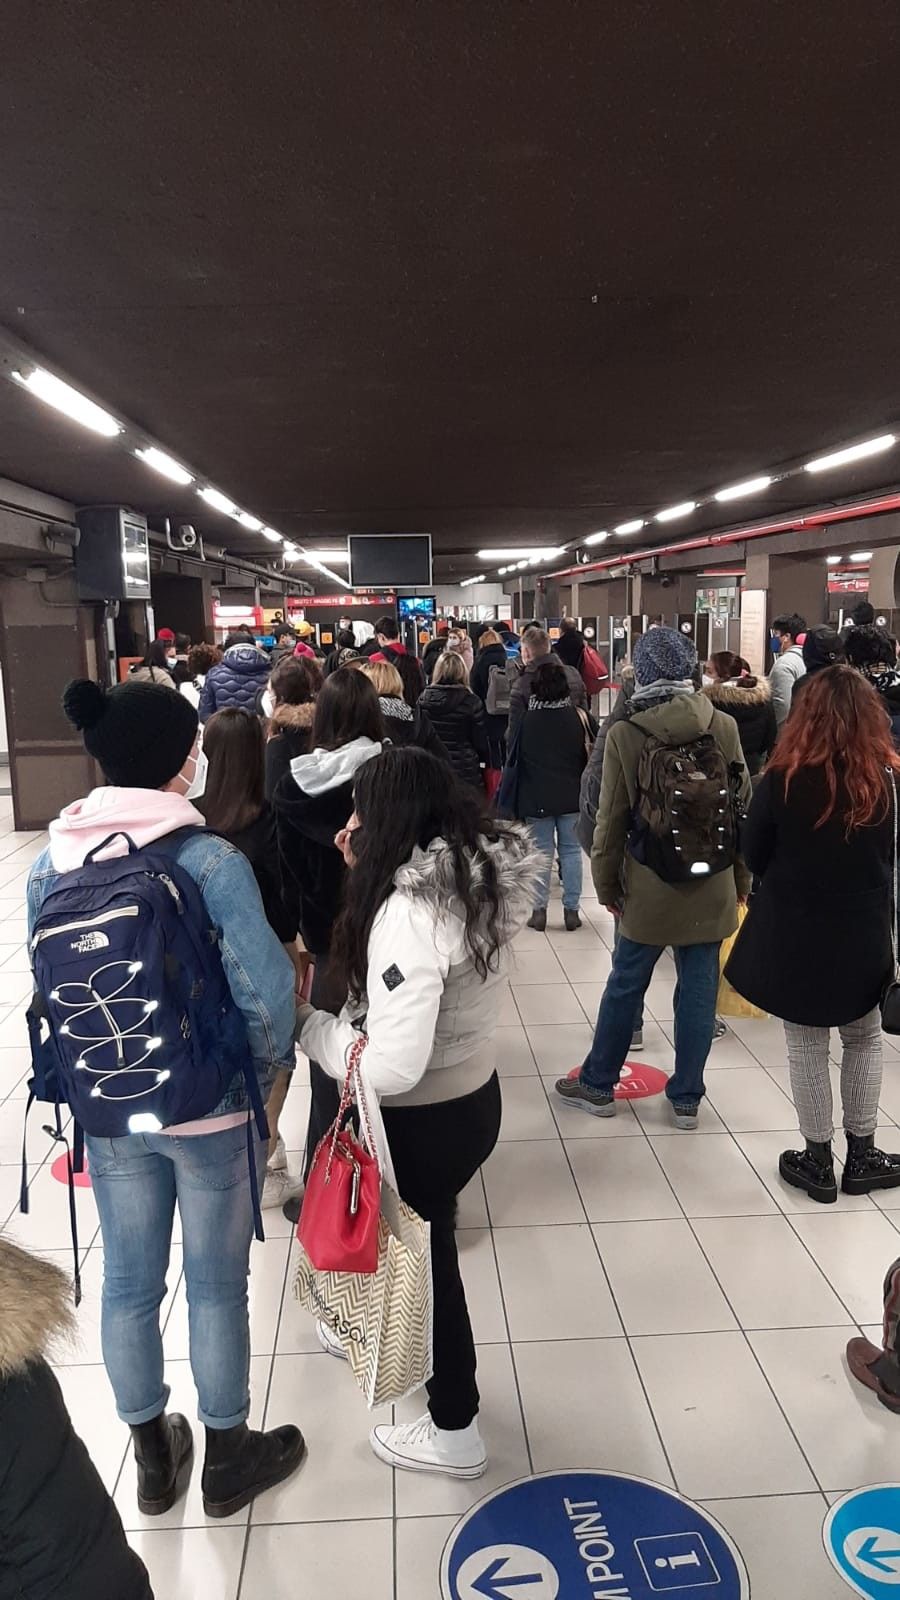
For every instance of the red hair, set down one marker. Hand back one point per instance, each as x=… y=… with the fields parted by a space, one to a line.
x=838 y=723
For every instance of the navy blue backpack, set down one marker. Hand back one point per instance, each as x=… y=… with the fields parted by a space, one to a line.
x=132 y=1024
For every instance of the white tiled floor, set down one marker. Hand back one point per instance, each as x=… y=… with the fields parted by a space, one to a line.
x=643 y=1300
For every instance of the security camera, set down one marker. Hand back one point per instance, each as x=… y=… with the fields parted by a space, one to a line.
x=185 y=537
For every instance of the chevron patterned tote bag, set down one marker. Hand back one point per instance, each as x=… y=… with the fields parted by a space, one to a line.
x=384 y=1320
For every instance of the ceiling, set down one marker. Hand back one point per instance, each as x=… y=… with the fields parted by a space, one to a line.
x=504 y=272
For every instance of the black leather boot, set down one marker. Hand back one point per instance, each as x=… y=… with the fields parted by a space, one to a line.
x=241 y=1463
x=867 y=1168
x=811 y=1169
x=538 y=920
x=161 y=1448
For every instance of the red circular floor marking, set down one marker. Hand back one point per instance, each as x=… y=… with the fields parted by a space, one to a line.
x=60 y=1171
x=638 y=1081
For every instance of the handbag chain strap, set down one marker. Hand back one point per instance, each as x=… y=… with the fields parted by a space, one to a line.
x=354 y=1057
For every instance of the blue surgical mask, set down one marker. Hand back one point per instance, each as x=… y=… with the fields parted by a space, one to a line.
x=775 y=643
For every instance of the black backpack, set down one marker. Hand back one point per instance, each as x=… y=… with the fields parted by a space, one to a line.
x=685 y=822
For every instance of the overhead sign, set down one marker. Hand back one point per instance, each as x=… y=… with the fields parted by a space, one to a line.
x=590 y=1536
x=862 y=1538
x=340 y=602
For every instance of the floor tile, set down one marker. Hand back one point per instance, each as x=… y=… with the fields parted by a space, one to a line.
x=854 y=1250
x=781 y=1543
x=557 y=1048
x=712 y=1177
x=589 y=996
x=526 y=1114
x=546 y=1003
x=849 y=1438
x=471 y=1211
x=748 y=1101
x=90 y=1404
x=620 y=1180
x=768 y=1276
x=722 y=1428
x=530 y=1182
x=585 y=966
x=314 y=1559
x=46 y=1225
x=554 y=1285
x=532 y=966
x=319 y=1394
x=478 y=1265
x=764 y=1039
x=204 y=1563
x=424 y=1495
x=585 y=1407
x=514 y=1055
x=660 y=1279
x=420 y=1545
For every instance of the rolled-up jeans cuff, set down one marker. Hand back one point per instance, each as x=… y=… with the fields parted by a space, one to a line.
x=225 y=1422
x=134 y=1419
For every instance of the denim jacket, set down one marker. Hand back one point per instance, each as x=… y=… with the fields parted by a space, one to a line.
x=259 y=971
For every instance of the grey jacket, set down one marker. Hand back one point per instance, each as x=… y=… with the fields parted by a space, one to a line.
x=788 y=667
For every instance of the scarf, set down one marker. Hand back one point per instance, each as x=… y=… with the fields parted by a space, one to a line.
x=662 y=689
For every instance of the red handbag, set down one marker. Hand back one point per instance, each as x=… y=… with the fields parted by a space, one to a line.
x=492 y=776
x=338 y=1226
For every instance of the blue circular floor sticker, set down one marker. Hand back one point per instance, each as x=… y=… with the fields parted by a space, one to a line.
x=862 y=1538
x=590 y=1536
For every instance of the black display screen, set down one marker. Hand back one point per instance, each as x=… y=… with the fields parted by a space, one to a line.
x=377 y=559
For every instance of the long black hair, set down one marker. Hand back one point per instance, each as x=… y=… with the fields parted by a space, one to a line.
x=403 y=798
x=347 y=708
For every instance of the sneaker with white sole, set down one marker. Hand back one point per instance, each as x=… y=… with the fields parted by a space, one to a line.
x=278 y=1160
x=280 y=1185
x=685 y=1114
x=330 y=1342
x=719 y=1029
x=421 y=1447
x=599 y=1102
x=637 y=1039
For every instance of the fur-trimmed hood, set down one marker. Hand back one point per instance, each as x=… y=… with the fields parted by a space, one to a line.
x=430 y=874
x=738 y=692
x=35 y=1308
x=295 y=717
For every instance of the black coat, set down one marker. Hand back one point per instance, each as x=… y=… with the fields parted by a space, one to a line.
x=290 y=735
x=312 y=866
x=60 y=1534
x=433 y=649
x=493 y=655
x=405 y=724
x=815 y=947
x=552 y=756
x=749 y=701
x=259 y=843
x=457 y=716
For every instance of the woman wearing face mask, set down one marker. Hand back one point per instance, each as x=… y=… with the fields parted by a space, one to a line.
x=439 y=889
x=459 y=643
x=234 y=804
x=732 y=688
x=144 y=738
x=157 y=665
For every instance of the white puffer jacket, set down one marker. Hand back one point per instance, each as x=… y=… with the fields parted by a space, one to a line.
x=428 y=1016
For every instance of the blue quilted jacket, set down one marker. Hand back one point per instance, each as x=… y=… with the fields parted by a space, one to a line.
x=237 y=681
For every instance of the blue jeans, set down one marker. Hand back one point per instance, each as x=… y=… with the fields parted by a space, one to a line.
x=137 y=1181
x=561 y=830
x=639 y=1013
x=697 y=966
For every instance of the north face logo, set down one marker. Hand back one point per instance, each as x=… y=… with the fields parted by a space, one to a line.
x=88 y=943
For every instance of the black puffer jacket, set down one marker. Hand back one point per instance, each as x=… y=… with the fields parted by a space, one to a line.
x=238 y=680
x=457 y=717
x=60 y=1534
x=749 y=701
x=404 y=724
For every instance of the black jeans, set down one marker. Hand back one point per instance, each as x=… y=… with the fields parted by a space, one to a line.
x=436 y=1150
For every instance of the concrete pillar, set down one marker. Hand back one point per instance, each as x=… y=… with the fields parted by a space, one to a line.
x=884 y=578
x=798 y=585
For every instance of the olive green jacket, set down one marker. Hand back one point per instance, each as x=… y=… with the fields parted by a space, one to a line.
x=656 y=912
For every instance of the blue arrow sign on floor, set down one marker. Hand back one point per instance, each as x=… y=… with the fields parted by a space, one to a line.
x=862 y=1538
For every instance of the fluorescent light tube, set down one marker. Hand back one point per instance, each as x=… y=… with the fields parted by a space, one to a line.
x=62 y=397
x=854 y=452
x=160 y=462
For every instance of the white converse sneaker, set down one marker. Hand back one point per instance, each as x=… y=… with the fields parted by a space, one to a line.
x=280 y=1185
x=421 y=1447
x=330 y=1342
x=278 y=1160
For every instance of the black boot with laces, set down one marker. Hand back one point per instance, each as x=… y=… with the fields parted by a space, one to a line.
x=812 y=1170
x=867 y=1168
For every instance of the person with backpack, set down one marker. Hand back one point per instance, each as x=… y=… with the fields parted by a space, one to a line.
x=665 y=862
x=815 y=948
x=60 y=1533
x=164 y=1007
x=491 y=679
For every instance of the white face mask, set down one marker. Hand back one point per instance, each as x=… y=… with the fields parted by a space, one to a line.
x=197 y=786
x=707 y=680
x=171 y=660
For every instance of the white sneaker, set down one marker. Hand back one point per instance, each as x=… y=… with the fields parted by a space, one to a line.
x=421 y=1447
x=330 y=1342
x=280 y=1185
x=278 y=1161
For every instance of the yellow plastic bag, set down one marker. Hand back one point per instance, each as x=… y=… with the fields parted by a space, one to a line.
x=729 y=1003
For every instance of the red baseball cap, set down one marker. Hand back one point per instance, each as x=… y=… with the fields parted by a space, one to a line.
x=167 y=635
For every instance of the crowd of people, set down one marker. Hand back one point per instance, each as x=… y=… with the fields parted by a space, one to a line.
x=368 y=833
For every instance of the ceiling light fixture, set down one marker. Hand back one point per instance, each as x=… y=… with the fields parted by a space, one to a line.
x=167 y=465
x=520 y=565
x=738 y=490
x=218 y=501
x=271 y=533
x=862 y=555
x=547 y=553
x=833 y=561
x=246 y=520
x=62 y=397
x=596 y=538
x=684 y=509
x=854 y=452
x=342 y=556
x=634 y=526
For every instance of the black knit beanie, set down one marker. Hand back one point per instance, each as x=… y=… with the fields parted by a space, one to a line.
x=141 y=733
